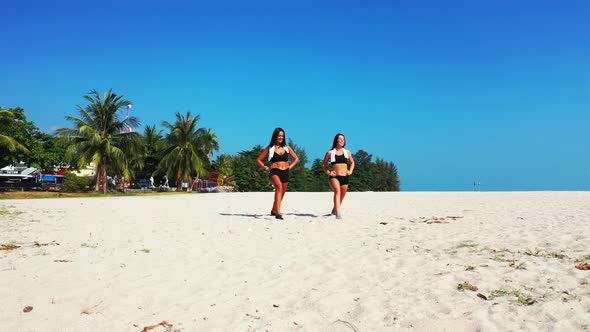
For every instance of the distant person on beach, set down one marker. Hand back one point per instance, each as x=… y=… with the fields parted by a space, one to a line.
x=278 y=154
x=339 y=158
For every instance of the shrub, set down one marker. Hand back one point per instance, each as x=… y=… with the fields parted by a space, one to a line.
x=74 y=183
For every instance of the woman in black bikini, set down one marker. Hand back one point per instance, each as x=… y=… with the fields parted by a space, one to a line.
x=339 y=158
x=278 y=154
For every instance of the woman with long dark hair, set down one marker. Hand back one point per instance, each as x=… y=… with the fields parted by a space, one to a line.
x=339 y=159
x=278 y=153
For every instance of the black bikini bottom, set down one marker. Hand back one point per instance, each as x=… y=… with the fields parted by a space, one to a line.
x=342 y=179
x=283 y=174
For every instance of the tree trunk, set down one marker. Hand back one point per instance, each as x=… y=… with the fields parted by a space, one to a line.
x=179 y=180
x=97 y=178
x=104 y=176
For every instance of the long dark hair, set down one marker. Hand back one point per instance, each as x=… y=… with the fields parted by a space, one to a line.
x=336 y=141
x=275 y=134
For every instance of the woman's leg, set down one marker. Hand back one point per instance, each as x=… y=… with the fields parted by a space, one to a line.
x=343 y=190
x=279 y=192
x=335 y=185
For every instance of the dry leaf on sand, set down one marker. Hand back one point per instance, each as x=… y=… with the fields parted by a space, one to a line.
x=8 y=247
x=162 y=323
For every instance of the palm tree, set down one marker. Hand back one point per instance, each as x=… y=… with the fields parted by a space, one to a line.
x=153 y=144
x=208 y=143
x=98 y=134
x=6 y=116
x=223 y=164
x=187 y=148
x=133 y=147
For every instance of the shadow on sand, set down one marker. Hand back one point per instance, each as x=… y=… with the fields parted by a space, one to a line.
x=267 y=216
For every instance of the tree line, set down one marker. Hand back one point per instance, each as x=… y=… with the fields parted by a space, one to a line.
x=100 y=135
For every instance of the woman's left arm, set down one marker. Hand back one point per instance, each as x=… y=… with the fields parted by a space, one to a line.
x=294 y=156
x=351 y=169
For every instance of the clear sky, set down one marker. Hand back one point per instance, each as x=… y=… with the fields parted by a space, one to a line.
x=450 y=91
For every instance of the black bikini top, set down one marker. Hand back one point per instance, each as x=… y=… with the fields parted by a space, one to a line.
x=275 y=157
x=338 y=159
x=280 y=157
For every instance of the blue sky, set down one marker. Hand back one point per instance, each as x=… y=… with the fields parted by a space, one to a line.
x=451 y=91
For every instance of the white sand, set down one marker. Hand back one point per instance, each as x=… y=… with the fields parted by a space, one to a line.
x=219 y=262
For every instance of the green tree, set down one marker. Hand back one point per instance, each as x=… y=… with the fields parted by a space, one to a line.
x=133 y=148
x=299 y=175
x=13 y=131
x=361 y=179
x=208 y=143
x=74 y=183
x=23 y=141
x=247 y=175
x=46 y=153
x=186 y=148
x=153 y=147
x=319 y=179
x=224 y=164
x=384 y=175
x=368 y=176
x=98 y=134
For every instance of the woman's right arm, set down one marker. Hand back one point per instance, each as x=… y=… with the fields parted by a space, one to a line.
x=260 y=157
x=325 y=163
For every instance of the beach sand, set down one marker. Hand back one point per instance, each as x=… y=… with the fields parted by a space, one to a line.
x=218 y=262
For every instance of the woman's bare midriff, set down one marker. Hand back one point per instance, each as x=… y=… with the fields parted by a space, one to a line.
x=340 y=169
x=282 y=165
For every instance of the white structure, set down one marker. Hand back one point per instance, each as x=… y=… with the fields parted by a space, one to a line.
x=17 y=177
x=18 y=171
